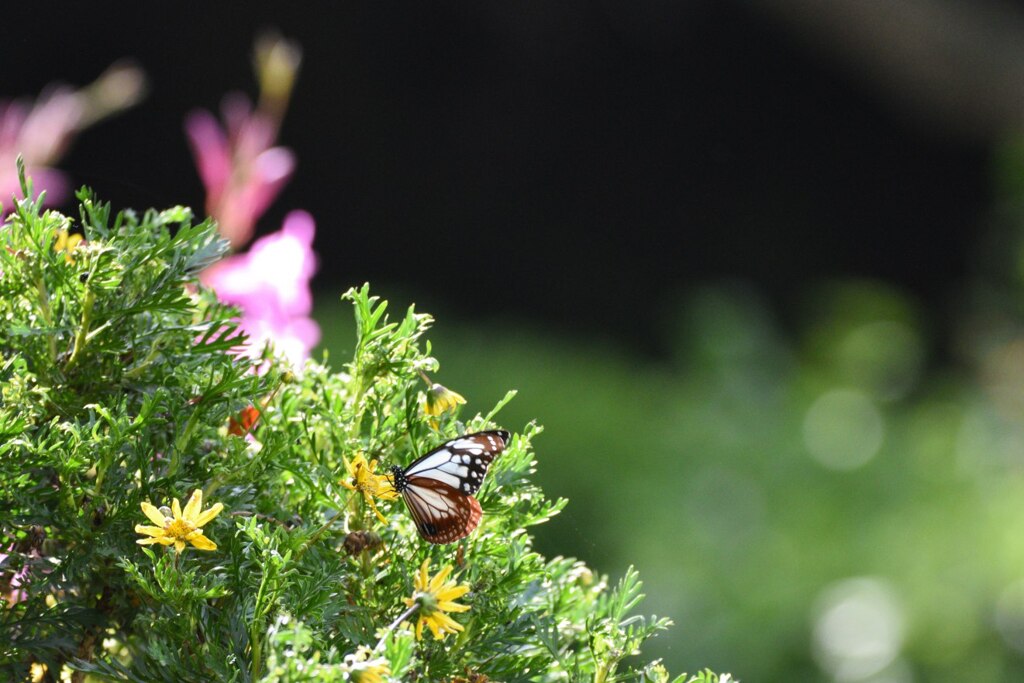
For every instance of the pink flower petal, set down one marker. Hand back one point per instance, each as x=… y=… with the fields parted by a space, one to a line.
x=270 y=284
x=271 y=171
x=209 y=150
x=48 y=128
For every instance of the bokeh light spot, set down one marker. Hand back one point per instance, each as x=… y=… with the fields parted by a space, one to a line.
x=858 y=629
x=843 y=430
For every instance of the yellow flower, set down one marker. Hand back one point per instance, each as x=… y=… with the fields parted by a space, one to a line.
x=365 y=480
x=439 y=400
x=434 y=597
x=363 y=669
x=179 y=526
x=67 y=242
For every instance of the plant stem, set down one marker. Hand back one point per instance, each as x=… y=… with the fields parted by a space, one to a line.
x=44 y=310
x=147 y=361
x=394 y=624
x=81 y=337
x=255 y=631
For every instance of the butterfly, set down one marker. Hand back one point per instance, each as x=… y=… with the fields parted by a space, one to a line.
x=438 y=488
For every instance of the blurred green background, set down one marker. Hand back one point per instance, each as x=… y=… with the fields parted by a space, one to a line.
x=830 y=504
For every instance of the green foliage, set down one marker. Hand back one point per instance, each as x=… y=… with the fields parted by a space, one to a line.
x=118 y=387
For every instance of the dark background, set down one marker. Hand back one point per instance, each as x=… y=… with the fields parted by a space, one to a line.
x=572 y=164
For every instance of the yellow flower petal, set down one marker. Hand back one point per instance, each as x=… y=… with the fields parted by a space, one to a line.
x=388 y=492
x=446 y=622
x=440 y=399
x=192 y=507
x=205 y=517
x=434 y=629
x=163 y=540
x=154 y=514
x=452 y=593
x=421 y=578
x=368 y=676
x=66 y=243
x=197 y=539
x=438 y=581
x=179 y=528
x=373 y=506
x=441 y=625
x=434 y=597
x=452 y=606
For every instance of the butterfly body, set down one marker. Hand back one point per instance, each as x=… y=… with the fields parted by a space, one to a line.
x=438 y=488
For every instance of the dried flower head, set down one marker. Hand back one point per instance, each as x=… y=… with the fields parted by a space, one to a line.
x=357 y=541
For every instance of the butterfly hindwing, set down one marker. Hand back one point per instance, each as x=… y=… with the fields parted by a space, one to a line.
x=442 y=514
x=438 y=488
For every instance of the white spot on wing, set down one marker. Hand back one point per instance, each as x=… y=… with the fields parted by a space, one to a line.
x=445 y=477
x=430 y=461
x=468 y=445
x=458 y=470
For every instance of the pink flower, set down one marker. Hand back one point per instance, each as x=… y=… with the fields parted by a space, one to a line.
x=41 y=132
x=270 y=284
x=240 y=169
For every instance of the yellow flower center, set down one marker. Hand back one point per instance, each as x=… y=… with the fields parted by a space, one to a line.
x=179 y=529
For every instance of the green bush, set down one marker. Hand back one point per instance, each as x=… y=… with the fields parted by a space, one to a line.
x=120 y=395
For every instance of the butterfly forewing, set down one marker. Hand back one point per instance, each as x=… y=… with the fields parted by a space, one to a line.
x=438 y=487
x=461 y=463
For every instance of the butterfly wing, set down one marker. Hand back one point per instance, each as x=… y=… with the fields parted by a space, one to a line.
x=438 y=488
x=461 y=463
x=441 y=513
